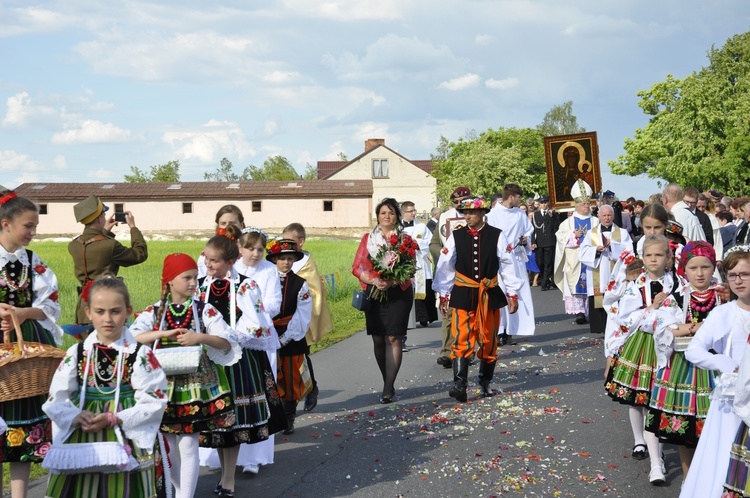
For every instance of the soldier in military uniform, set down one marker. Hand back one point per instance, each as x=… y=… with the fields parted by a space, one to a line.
x=96 y=252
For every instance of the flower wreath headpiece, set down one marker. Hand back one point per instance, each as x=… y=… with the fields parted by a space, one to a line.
x=255 y=230
x=224 y=233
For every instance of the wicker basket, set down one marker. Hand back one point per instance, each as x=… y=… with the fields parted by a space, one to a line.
x=29 y=371
x=681 y=343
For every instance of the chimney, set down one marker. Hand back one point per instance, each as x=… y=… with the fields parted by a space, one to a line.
x=371 y=143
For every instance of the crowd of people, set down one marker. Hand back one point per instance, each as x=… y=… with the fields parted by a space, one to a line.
x=220 y=362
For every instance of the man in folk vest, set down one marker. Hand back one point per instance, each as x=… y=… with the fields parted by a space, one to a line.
x=601 y=247
x=96 y=252
x=466 y=278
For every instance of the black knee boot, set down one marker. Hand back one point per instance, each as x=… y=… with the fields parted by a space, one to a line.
x=486 y=371
x=290 y=410
x=460 y=377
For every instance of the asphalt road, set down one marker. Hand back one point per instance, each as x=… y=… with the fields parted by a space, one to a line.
x=551 y=431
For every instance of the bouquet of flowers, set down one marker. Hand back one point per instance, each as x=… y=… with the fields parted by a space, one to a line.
x=396 y=260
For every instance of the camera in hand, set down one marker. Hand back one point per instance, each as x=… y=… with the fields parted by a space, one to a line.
x=120 y=217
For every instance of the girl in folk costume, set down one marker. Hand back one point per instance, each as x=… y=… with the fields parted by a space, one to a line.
x=680 y=398
x=28 y=288
x=291 y=324
x=228 y=214
x=199 y=401
x=253 y=265
x=258 y=408
x=725 y=332
x=105 y=386
x=643 y=313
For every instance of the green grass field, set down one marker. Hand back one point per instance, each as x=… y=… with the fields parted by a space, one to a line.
x=331 y=256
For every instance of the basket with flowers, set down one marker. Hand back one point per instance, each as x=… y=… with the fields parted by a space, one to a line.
x=396 y=260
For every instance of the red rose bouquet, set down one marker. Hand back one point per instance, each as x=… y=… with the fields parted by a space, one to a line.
x=396 y=260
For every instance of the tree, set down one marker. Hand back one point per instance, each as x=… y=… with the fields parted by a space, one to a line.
x=225 y=173
x=485 y=163
x=275 y=168
x=560 y=120
x=699 y=132
x=169 y=172
x=342 y=157
x=311 y=172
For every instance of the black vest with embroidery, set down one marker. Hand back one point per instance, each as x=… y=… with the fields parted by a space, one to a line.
x=290 y=288
x=476 y=258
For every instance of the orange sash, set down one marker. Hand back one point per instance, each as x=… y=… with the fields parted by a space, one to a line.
x=484 y=299
x=283 y=321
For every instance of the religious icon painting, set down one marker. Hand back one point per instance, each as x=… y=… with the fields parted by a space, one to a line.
x=570 y=158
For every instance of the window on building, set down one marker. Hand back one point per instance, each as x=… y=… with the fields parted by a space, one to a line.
x=327 y=205
x=257 y=206
x=42 y=209
x=119 y=208
x=380 y=168
x=187 y=208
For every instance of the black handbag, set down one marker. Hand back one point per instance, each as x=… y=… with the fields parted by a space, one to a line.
x=361 y=300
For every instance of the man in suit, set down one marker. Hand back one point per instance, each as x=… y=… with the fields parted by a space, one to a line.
x=690 y=198
x=543 y=241
x=434 y=217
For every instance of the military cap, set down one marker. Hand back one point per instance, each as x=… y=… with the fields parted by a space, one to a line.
x=89 y=209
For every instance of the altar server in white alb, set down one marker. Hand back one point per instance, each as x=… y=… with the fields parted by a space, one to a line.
x=599 y=251
x=517 y=228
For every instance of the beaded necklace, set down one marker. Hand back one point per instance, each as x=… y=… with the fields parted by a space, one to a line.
x=19 y=284
x=172 y=317
x=219 y=287
x=100 y=374
x=701 y=302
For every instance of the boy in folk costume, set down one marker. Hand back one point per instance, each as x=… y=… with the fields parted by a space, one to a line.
x=517 y=228
x=291 y=324
x=599 y=251
x=466 y=278
x=320 y=321
x=570 y=274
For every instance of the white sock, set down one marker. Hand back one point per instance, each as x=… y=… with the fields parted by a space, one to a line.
x=636 y=424
x=654 y=449
x=185 y=463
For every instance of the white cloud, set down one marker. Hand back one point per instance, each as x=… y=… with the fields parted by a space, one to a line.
x=14 y=161
x=26 y=20
x=502 y=84
x=392 y=57
x=333 y=152
x=217 y=140
x=270 y=128
x=483 y=39
x=370 y=130
x=347 y=10
x=103 y=174
x=91 y=131
x=59 y=162
x=280 y=77
x=461 y=83
x=21 y=111
x=588 y=26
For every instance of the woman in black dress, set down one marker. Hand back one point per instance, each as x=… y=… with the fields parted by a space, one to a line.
x=387 y=319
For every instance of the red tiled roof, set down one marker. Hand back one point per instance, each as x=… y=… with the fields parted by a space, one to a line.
x=197 y=190
x=328 y=168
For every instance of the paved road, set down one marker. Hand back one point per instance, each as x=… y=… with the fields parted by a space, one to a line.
x=551 y=432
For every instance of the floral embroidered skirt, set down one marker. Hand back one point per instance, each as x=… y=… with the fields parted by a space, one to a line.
x=257 y=404
x=679 y=401
x=29 y=429
x=737 y=484
x=631 y=379
x=140 y=482
x=201 y=401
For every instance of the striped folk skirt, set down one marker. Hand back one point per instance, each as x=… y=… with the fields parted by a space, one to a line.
x=257 y=404
x=679 y=401
x=632 y=377
x=737 y=484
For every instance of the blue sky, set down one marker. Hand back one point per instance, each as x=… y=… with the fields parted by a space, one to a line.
x=88 y=89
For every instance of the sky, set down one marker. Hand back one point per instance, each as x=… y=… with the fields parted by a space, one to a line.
x=89 y=89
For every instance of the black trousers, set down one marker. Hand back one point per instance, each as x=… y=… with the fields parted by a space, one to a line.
x=545 y=258
x=597 y=318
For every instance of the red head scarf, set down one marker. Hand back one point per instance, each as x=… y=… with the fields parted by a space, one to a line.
x=693 y=249
x=174 y=264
